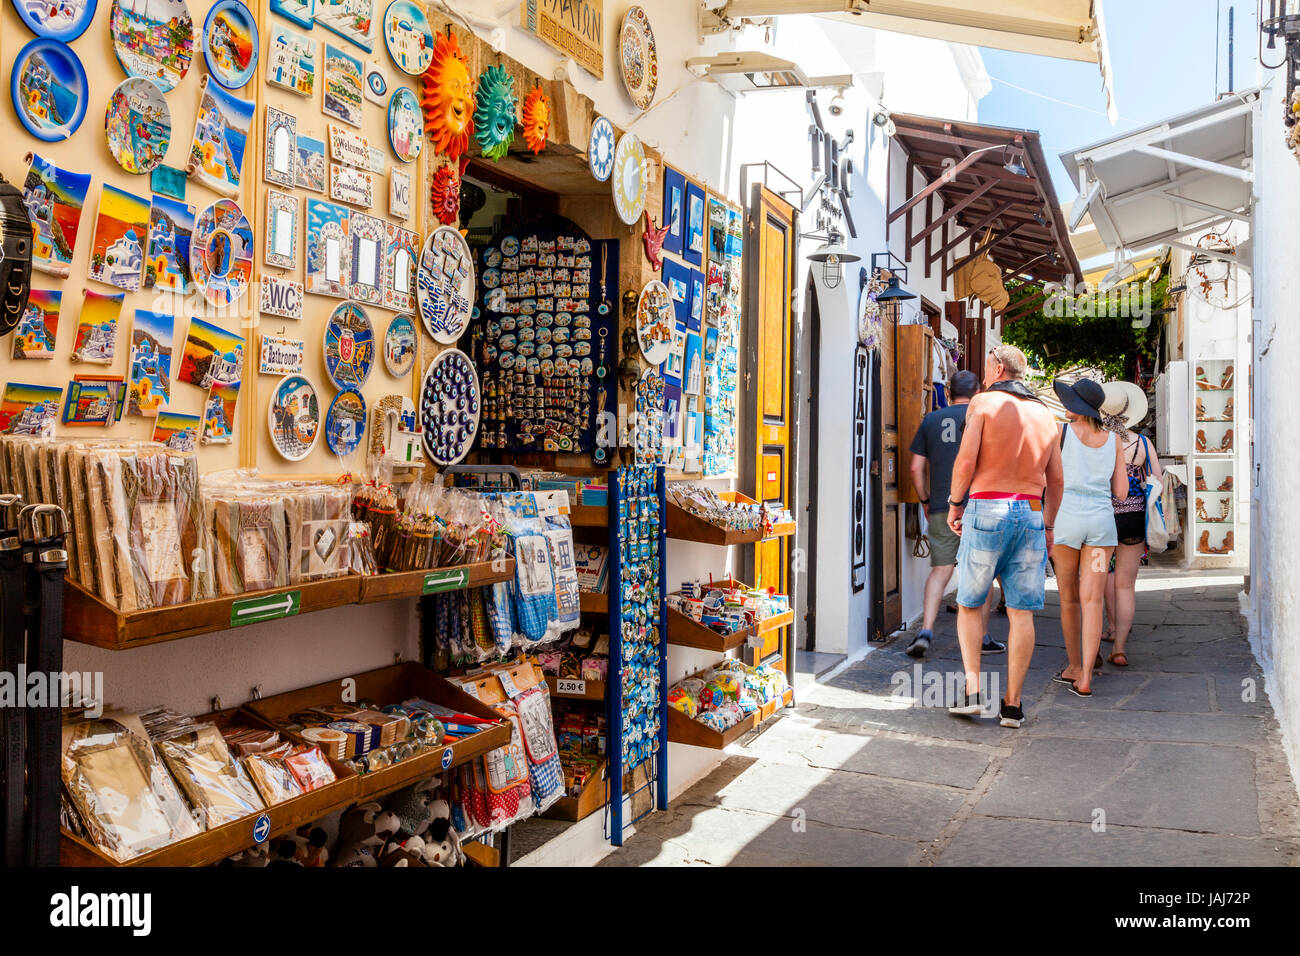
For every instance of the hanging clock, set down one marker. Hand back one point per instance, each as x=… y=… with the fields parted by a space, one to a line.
x=449 y=407
x=600 y=149
x=628 y=180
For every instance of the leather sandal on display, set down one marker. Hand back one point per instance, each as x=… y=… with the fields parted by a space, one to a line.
x=1200 y=376
x=1203 y=546
x=1200 y=440
x=1227 y=441
x=1200 y=479
x=1226 y=382
x=1228 y=413
x=1226 y=484
x=1227 y=547
x=1201 y=514
x=1225 y=507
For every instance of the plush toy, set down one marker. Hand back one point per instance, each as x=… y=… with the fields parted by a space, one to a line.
x=441 y=841
x=255 y=856
x=305 y=847
x=412 y=807
x=363 y=831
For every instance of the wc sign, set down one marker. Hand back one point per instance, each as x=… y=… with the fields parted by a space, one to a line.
x=281 y=297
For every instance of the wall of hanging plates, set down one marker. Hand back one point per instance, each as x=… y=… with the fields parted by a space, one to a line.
x=546 y=338
x=639 y=660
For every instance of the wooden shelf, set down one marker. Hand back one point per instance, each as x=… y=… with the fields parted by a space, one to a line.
x=589 y=516
x=580 y=807
x=403 y=584
x=591 y=689
x=685 y=526
x=687 y=730
x=593 y=602
x=684 y=631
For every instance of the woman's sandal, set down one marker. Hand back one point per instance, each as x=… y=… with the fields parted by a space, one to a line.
x=1118 y=658
x=1061 y=679
x=1074 y=689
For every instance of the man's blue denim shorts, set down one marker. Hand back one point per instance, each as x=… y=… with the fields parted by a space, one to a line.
x=1002 y=538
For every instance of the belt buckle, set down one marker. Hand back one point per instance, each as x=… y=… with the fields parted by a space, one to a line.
x=42 y=522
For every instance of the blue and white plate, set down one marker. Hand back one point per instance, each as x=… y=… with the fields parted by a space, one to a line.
x=49 y=89
x=445 y=284
x=600 y=150
x=64 y=20
x=405 y=125
x=230 y=44
x=408 y=36
x=345 y=422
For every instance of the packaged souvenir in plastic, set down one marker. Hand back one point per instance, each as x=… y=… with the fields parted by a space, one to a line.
x=680 y=699
x=309 y=768
x=215 y=783
x=271 y=776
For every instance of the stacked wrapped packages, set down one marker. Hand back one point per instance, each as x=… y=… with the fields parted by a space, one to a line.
x=726 y=606
x=727 y=694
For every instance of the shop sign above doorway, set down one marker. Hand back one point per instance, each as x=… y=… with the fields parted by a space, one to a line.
x=573 y=27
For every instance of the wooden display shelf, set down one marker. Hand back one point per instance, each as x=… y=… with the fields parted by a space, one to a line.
x=687 y=730
x=589 y=516
x=685 y=526
x=403 y=584
x=591 y=689
x=573 y=809
x=593 y=602
x=684 y=631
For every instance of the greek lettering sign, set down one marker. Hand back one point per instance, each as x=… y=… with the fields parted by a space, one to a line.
x=573 y=27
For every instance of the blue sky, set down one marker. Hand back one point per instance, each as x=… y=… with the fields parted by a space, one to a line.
x=1162 y=53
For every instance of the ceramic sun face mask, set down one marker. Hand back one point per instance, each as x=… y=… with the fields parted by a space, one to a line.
x=537 y=119
x=494 y=114
x=448 y=99
x=444 y=194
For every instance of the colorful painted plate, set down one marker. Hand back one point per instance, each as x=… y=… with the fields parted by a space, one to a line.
x=349 y=346
x=294 y=417
x=49 y=89
x=154 y=40
x=399 y=346
x=230 y=43
x=138 y=125
x=638 y=57
x=449 y=407
x=345 y=422
x=445 y=284
x=628 y=180
x=408 y=36
x=655 y=321
x=600 y=149
x=405 y=125
x=63 y=21
x=221 y=253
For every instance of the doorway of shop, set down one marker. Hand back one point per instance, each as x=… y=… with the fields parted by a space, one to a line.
x=805 y=444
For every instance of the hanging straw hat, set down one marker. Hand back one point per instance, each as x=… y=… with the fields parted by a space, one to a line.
x=1125 y=402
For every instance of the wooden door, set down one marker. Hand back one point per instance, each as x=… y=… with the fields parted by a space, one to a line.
x=888 y=559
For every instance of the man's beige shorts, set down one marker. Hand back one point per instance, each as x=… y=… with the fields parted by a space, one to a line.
x=943 y=543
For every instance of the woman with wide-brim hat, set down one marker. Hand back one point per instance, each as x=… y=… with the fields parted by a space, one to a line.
x=1125 y=406
x=1084 y=532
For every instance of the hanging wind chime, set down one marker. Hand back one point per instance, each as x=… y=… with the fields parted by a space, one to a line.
x=448 y=98
x=496 y=111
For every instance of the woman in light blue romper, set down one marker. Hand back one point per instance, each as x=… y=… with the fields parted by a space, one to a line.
x=1084 y=534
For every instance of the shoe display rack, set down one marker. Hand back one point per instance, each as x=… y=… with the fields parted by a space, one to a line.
x=1211 y=508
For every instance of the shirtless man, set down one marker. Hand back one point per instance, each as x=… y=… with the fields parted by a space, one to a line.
x=1006 y=487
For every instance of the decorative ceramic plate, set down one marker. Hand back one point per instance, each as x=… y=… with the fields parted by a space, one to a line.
x=628 y=179
x=655 y=321
x=138 y=125
x=445 y=284
x=221 y=252
x=638 y=57
x=230 y=43
x=345 y=422
x=405 y=125
x=399 y=346
x=600 y=149
x=63 y=21
x=294 y=417
x=349 y=346
x=408 y=36
x=449 y=407
x=153 y=39
x=49 y=89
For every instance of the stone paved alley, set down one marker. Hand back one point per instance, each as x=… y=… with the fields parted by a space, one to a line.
x=1185 y=771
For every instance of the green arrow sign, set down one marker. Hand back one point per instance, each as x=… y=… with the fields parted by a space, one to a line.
x=452 y=579
x=268 y=607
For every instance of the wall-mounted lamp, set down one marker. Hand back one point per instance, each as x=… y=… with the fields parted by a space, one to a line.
x=833 y=256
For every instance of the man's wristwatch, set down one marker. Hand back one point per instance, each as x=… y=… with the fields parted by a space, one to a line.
x=956 y=504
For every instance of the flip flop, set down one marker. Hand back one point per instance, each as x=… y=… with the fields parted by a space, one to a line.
x=1060 y=679
x=1074 y=689
x=1119 y=659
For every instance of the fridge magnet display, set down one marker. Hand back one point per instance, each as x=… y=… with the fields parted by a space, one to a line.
x=176 y=430
x=281 y=147
x=628 y=179
x=29 y=409
x=445 y=284
x=399 y=346
x=94 y=400
x=281 y=297
x=96 y=339
x=301 y=12
x=693 y=244
x=117 y=250
x=293 y=417
x=449 y=407
x=310 y=170
x=36 y=331
x=648 y=437
x=674 y=210
x=369 y=244
x=211 y=354
x=280 y=355
x=600 y=149
x=349 y=345
x=495 y=112
x=444 y=196
x=693 y=366
x=329 y=252
x=399 y=194
x=153 y=39
x=408 y=36
x=638 y=57
x=536 y=119
x=291 y=61
x=221 y=253
x=219 y=413
x=167 y=256
x=353 y=186
x=404 y=130
x=168 y=181
x=674 y=365
x=220 y=135
x=63 y=21
x=343 y=77
x=655 y=321
x=345 y=422
x=376 y=84
x=54 y=199
x=137 y=125
x=353 y=20
x=400 y=269
x=149 y=374
x=696 y=315
x=281 y=230
x=230 y=43
x=49 y=89
x=447 y=98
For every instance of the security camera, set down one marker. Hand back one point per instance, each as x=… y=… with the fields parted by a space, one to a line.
x=838 y=105
x=881 y=117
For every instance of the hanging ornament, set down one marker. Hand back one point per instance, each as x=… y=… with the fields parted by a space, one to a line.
x=448 y=98
x=445 y=196
x=654 y=241
x=494 y=116
x=537 y=119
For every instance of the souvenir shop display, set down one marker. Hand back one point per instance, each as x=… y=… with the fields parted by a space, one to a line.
x=638 y=57
x=49 y=89
x=167 y=258
x=375 y=84
x=64 y=21
x=291 y=61
x=301 y=12
x=655 y=321
x=211 y=354
x=137 y=125
x=444 y=196
x=628 y=179
x=727 y=606
x=399 y=346
x=117 y=249
x=401 y=265
x=221 y=131
x=37 y=330
x=648 y=433
x=730 y=513
x=447 y=98
x=445 y=285
x=727 y=694
x=281 y=297
x=54 y=199
x=151 y=361
x=230 y=43
x=221 y=253
x=536 y=119
x=351 y=19
x=96 y=337
x=495 y=112
x=153 y=40
x=345 y=422
x=450 y=407
x=293 y=417
x=310 y=172
x=281 y=230
x=408 y=36
x=219 y=413
x=725 y=248
x=405 y=131
x=343 y=85
x=329 y=249
x=349 y=346
x=600 y=149
x=281 y=147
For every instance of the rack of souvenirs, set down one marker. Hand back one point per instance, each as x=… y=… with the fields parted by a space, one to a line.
x=698 y=513
x=717 y=706
x=724 y=613
x=582 y=735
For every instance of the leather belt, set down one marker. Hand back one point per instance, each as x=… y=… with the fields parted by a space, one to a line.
x=13 y=655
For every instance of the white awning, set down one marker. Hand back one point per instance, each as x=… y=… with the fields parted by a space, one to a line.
x=1158 y=184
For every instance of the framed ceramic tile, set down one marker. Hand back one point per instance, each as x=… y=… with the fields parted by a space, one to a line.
x=281 y=147
x=94 y=400
x=29 y=409
x=369 y=245
x=401 y=261
x=354 y=20
x=309 y=172
x=281 y=230
x=121 y=230
x=281 y=297
x=353 y=186
x=376 y=84
x=329 y=250
x=301 y=12
x=280 y=356
x=399 y=194
x=34 y=338
x=219 y=413
x=353 y=149
x=96 y=339
x=177 y=431
x=291 y=61
x=54 y=199
x=343 y=84
x=221 y=131
x=167 y=260
x=674 y=210
x=211 y=354
x=693 y=241
x=149 y=374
